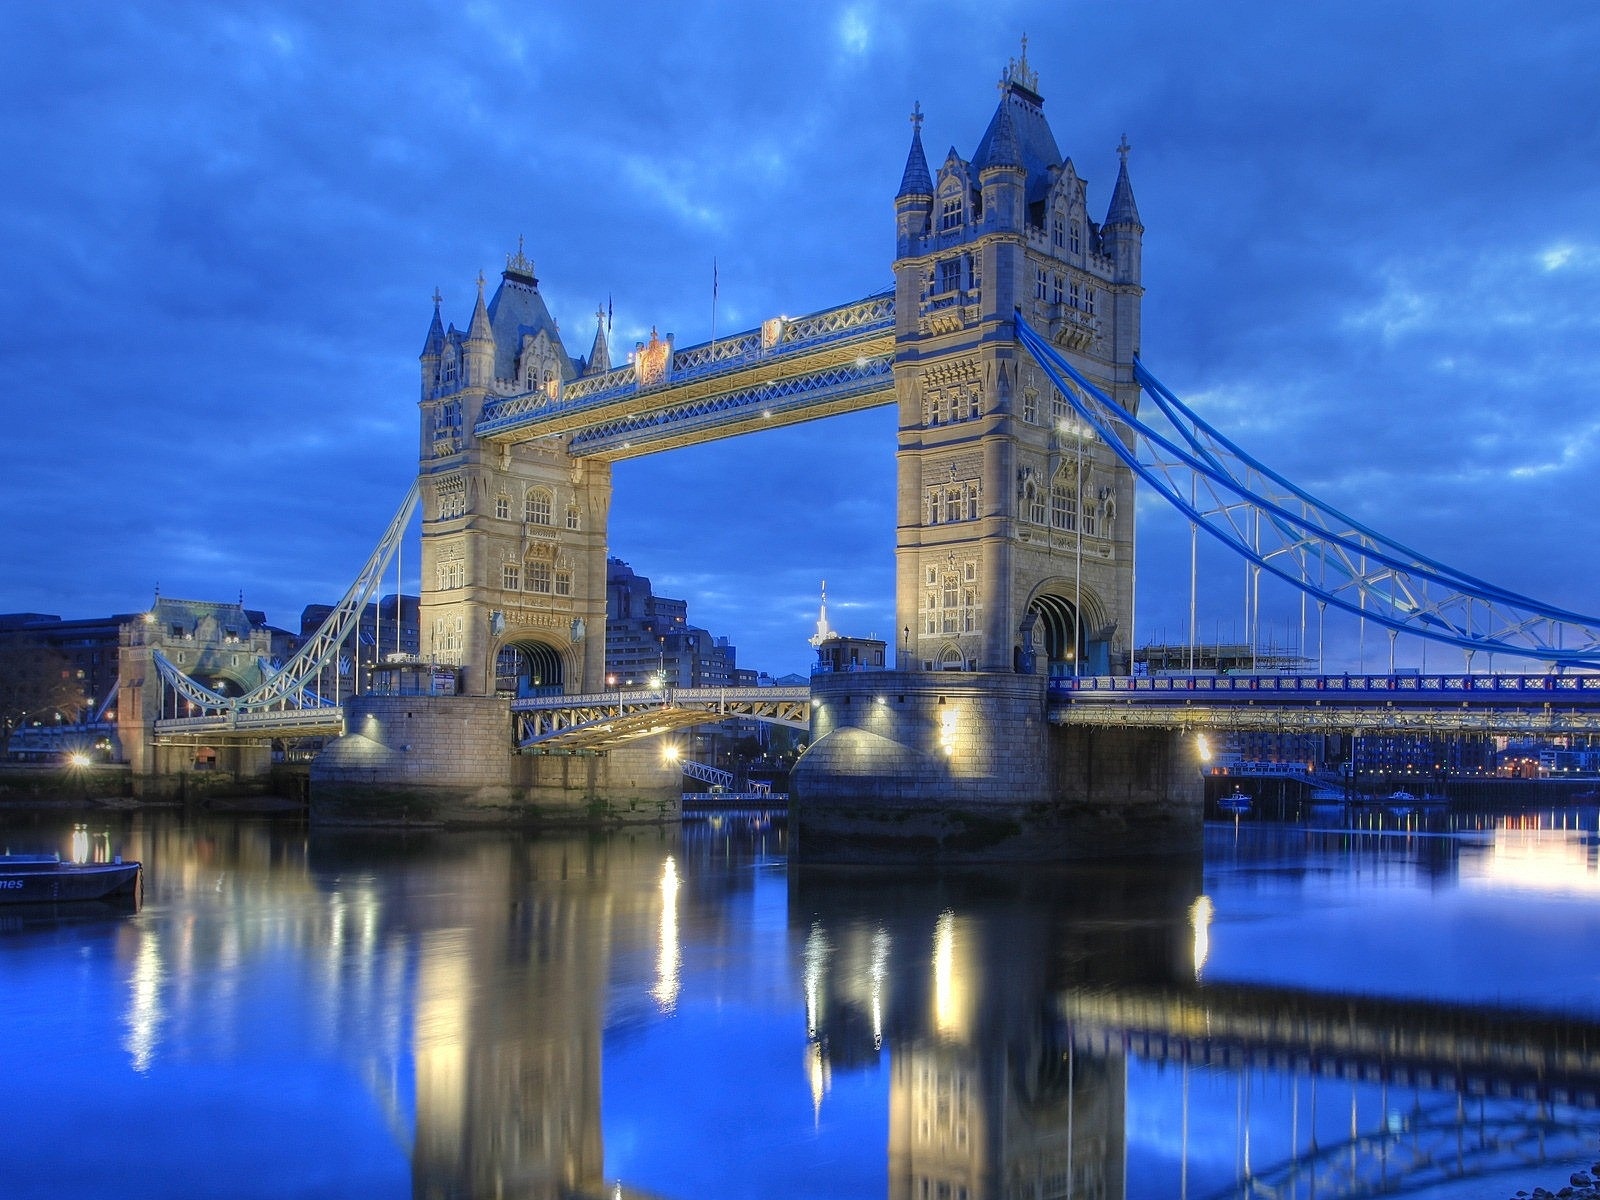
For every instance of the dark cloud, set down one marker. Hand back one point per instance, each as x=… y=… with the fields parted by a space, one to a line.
x=1371 y=253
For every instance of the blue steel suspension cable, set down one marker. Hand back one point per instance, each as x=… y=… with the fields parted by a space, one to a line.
x=1185 y=420
x=1414 y=612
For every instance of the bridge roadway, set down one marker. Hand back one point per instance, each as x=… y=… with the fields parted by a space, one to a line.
x=606 y=719
x=787 y=371
x=1443 y=704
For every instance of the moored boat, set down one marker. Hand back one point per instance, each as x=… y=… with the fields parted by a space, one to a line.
x=1235 y=802
x=45 y=879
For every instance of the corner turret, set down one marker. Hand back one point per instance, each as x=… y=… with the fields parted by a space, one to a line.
x=432 y=348
x=600 y=352
x=913 y=203
x=1004 y=177
x=480 y=344
x=1123 y=234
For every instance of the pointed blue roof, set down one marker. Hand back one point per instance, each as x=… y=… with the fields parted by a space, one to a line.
x=1005 y=150
x=916 y=179
x=435 y=342
x=1029 y=143
x=517 y=310
x=1123 y=210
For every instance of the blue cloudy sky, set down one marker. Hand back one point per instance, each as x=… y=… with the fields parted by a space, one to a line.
x=1372 y=254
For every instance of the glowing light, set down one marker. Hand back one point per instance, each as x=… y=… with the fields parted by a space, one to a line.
x=669 y=956
x=1203 y=746
x=948 y=987
x=816 y=963
x=144 y=1015
x=79 y=759
x=1200 y=914
x=671 y=755
x=880 y=971
x=947 y=730
x=80 y=843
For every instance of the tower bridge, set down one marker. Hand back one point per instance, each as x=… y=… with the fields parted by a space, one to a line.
x=1010 y=722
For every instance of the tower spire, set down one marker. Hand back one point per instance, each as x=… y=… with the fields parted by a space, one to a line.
x=916 y=179
x=480 y=328
x=1123 y=210
x=823 y=631
x=435 y=340
x=600 y=352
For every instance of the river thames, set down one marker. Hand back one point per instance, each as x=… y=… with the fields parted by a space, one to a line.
x=683 y=1013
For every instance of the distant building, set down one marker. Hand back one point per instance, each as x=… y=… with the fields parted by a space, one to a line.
x=649 y=638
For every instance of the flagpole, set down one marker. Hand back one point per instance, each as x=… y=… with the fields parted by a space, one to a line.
x=713 y=306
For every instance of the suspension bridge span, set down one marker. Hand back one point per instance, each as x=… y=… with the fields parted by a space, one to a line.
x=1011 y=722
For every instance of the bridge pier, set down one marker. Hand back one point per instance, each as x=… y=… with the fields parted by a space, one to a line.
x=451 y=760
x=964 y=765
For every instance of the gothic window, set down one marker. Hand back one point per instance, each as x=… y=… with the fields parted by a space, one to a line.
x=538 y=576
x=536 y=507
x=950 y=213
x=563 y=581
x=933 y=576
x=1063 y=506
x=936 y=407
x=1057 y=288
x=447 y=638
x=1041 y=283
x=1075 y=301
x=448 y=369
x=1074 y=238
x=572 y=516
x=1030 y=406
x=1058 y=231
x=502 y=507
x=935 y=506
x=969 y=611
x=511 y=577
x=1088 y=299
x=452 y=499
x=950 y=275
x=1035 y=498
x=1091 y=522
x=1060 y=410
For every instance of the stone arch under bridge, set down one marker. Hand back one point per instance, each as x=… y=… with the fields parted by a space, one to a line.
x=526 y=666
x=1065 y=630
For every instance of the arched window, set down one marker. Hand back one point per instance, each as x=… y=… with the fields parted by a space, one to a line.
x=563 y=581
x=935 y=506
x=511 y=577
x=502 y=507
x=1035 y=498
x=536 y=507
x=538 y=576
x=950 y=212
x=572 y=516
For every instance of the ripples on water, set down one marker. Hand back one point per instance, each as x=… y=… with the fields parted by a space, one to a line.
x=1305 y=1013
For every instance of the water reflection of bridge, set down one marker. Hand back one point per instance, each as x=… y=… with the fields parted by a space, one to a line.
x=1012 y=1011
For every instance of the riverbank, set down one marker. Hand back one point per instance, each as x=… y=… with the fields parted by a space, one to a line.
x=1582 y=1185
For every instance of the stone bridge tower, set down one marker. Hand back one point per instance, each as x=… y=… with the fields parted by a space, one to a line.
x=513 y=536
x=1015 y=528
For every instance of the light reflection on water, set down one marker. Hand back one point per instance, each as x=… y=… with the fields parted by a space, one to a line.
x=682 y=1013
